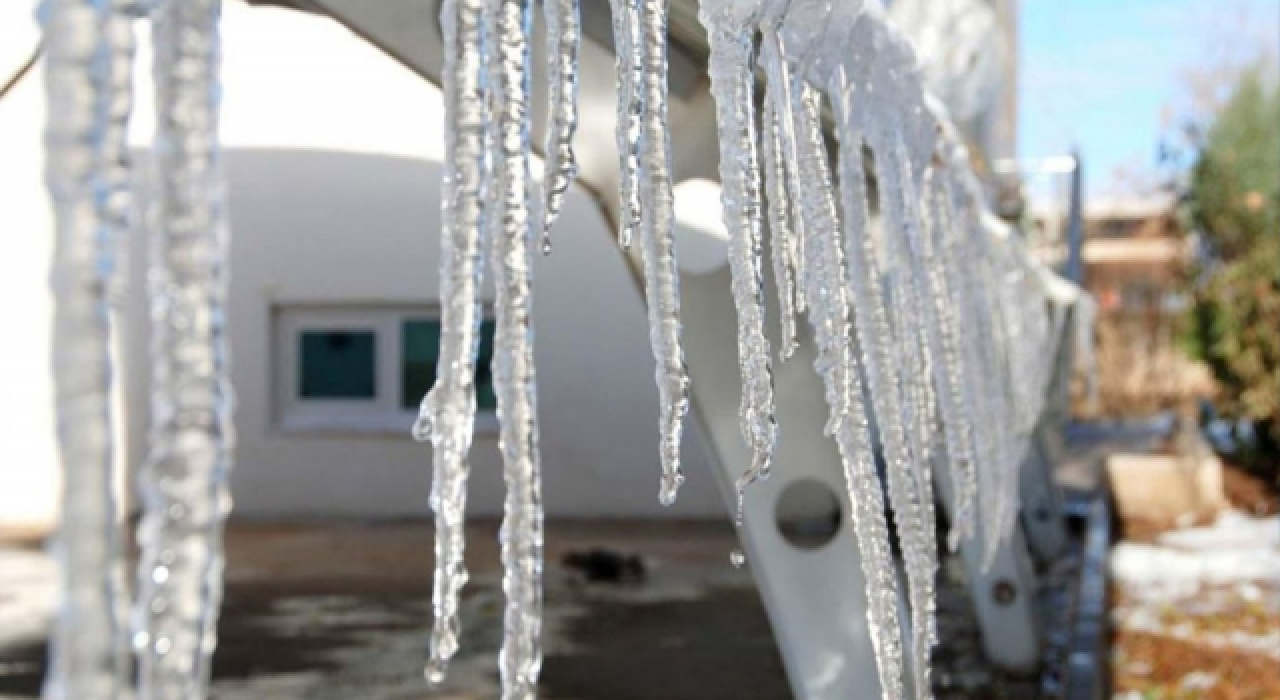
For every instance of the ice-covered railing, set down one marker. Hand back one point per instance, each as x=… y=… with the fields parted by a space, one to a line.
x=943 y=313
x=918 y=292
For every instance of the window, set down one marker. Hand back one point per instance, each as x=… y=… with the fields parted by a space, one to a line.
x=336 y=364
x=420 y=353
x=364 y=369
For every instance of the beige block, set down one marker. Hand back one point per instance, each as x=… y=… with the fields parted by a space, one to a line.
x=1166 y=488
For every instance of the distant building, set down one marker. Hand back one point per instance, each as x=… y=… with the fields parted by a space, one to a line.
x=1135 y=260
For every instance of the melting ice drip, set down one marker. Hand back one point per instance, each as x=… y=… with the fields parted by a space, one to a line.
x=917 y=291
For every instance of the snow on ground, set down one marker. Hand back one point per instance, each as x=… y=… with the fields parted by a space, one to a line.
x=1236 y=548
x=1197 y=613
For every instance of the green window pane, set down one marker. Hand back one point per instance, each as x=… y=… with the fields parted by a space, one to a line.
x=337 y=364
x=420 y=352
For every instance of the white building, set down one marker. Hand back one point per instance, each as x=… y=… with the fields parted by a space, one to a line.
x=332 y=157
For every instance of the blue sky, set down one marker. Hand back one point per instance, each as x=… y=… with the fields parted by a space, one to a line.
x=1107 y=75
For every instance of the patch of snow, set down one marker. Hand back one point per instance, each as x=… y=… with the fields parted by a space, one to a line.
x=1198 y=680
x=1232 y=530
x=1235 y=549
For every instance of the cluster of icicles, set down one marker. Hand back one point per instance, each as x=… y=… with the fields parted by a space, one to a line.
x=942 y=316
x=89 y=49
x=940 y=313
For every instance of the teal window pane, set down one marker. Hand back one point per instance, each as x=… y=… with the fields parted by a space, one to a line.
x=420 y=352
x=337 y=364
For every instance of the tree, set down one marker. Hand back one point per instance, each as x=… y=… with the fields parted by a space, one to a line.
x=1233 y=204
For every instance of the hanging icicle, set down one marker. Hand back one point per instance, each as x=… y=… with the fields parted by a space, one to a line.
x=731 y=68
x=447 y=415
x=883 y=362
x=511 y=260
x=184 y=482
x=829 y=311
x=781 y=234
x=657 y=229
x=563 y=37
x=88 y=70
x=949 y=369
x=628 y=46
x=788 y=240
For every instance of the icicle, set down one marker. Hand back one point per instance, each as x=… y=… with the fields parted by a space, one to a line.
x=628 y=47
x=968 y=279
x=184 y=482
x=662 y=276
x=914 y=327
x=563 y=37
x=88 y=75
x=995 y=327
x=781 y=83
x=829 y=313
x=884 y=364
x=447 y=414
x=781 y=236
x=511 y=259
x=950 y=370
x=732 y=78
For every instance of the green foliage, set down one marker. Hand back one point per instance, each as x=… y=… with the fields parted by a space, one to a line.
x=1233 y=202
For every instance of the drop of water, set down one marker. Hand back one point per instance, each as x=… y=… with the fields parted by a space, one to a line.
x=737 y=558
x=434 y=672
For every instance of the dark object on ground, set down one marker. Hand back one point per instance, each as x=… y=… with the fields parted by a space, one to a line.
x=599 y=565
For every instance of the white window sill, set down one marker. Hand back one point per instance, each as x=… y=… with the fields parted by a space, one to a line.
x=388 y=425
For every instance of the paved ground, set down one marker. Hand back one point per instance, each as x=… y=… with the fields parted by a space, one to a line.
x=337 y=610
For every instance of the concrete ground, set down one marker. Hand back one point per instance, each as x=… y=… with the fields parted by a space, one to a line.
x=334 y=610
x=340 y=610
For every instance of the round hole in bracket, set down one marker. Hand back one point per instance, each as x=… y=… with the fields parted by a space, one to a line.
x=808 y=514
x=1004 y=592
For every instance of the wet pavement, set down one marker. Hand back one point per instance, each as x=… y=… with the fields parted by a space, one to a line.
x=339 y=610
x=334 y=610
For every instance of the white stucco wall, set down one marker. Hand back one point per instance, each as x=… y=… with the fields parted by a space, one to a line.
x=333 y=166
x=28 y=477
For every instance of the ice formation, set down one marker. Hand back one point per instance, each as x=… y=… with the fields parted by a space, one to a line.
x=657 y=231
x=563 y=38
x=448 y=411
x=183 y=484
x=918 y=289
x=732 y=70
x=89 y=59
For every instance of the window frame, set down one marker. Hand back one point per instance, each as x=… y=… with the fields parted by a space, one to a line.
x=384 y=414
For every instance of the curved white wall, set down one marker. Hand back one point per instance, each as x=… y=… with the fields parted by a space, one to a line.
x=332 y=160
x=28 y=474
